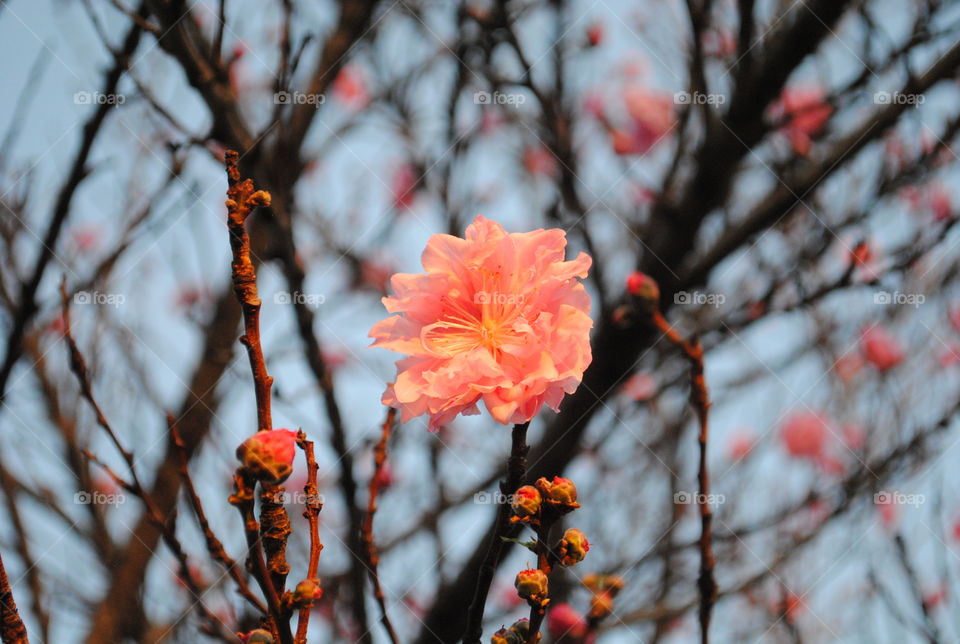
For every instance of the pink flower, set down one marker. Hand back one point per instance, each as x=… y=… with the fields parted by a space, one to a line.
x=805 y=111
x=740 y=446
x=565 y=624
x=880 y=349
x=719 y=43
x=940 y=203
x=954 y=316
x=640 y=387
x=497 y=316
x=269 y=455
x=404 y=186
x=350 y=88
x=595 y=33
x=538 y=160
x=804 y=434
x=653 y=119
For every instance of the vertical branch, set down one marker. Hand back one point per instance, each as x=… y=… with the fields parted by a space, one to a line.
x=700 y=400
x=312 y=514
x=516 y=471
x=12 y=630
x=373 y=558
x=545 y=561
x=269 y=536
x=242 y=198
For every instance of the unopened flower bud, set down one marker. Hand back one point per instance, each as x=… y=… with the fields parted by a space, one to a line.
x=256 y=636
x=521 y=628
x=560 y=490
x=643 y=287
x=526 y=501
x=532 y=585
x=573 y=547
x=306 y=592
x=269 y=455
x=598 y=583
x=504 y=636
x=601 y=605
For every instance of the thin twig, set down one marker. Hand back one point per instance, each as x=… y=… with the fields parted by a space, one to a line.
x=214 y=545
x=312 y=514
x=700 y=400
x=242 y=199
x=373 y=557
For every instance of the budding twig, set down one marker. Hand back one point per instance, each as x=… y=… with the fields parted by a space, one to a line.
x=312 y=514
x=242 y=198
x=516 y=472
x=373 y=557
x=271 y=533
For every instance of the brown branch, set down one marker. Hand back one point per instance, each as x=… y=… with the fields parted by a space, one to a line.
x=12 y=630
x=242 y=198
x=516 y=472
x=214 y=545
x=312 y=514
x=700 y=400
x=9 y=486
x=373 y=557
x=244 y=499
x=266 y=539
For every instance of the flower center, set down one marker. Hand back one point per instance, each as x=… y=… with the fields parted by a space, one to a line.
x=463 y=328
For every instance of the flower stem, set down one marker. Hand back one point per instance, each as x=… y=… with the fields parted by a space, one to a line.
x=516 y=472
